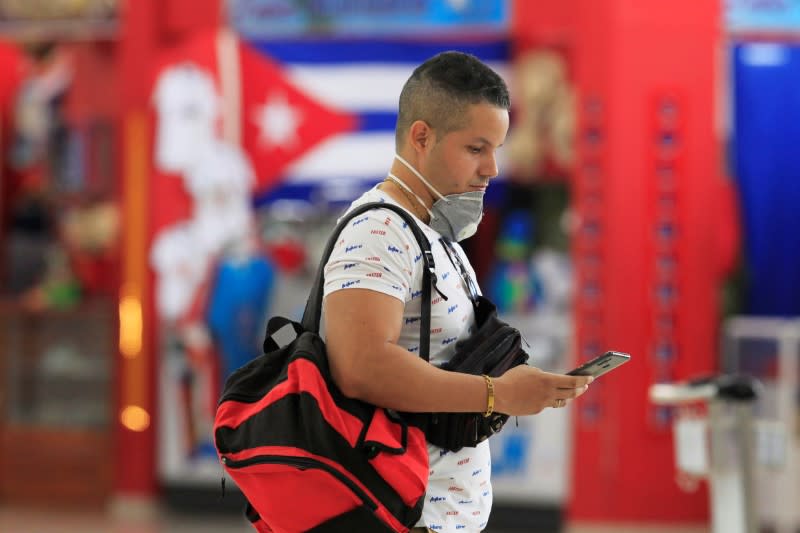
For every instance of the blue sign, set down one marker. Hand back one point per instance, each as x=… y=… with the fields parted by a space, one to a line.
x=262 y=19
x=758 y=16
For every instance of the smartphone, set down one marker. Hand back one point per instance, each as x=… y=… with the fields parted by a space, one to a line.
x=601 y=364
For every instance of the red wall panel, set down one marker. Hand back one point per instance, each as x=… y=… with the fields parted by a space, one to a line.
x=541 y=23
x=647 y=170
x=147 y=28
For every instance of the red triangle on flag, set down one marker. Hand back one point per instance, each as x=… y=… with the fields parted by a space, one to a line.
x=280 y=122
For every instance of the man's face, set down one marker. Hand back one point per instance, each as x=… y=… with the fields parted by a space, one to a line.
x=465 y=160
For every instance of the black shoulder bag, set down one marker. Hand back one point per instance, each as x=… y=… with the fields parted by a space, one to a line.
x=494 y=348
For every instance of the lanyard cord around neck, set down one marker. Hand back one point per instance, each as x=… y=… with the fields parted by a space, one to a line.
x=455 y=260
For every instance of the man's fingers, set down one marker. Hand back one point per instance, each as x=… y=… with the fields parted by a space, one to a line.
x=570 y=394
x=577 y=386
x=564 y=396
x=573 y=382
x=574 y=393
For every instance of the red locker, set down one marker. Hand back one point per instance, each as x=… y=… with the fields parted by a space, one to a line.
x=647 y=281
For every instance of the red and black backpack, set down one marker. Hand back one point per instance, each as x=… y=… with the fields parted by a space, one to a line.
x=306 y=457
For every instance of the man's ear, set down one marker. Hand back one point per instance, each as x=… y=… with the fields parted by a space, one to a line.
x=421 y=135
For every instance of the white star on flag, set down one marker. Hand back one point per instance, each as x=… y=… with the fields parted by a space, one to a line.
x=277 y=121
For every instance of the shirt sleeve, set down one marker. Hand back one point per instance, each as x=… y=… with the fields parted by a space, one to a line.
x=375 y=251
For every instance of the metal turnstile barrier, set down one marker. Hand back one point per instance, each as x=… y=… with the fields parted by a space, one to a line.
x=715 y=439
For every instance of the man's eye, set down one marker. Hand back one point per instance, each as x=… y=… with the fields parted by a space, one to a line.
x=475 y=149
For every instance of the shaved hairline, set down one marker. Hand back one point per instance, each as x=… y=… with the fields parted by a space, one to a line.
x=440 y=91
x=438 y=108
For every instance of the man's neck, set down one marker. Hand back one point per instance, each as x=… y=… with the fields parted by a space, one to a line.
x=405 y=199
x=413 y=182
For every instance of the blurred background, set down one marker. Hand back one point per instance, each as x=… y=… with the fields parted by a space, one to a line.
x=170 y=169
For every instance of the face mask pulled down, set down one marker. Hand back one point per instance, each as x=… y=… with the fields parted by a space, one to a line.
x=455 y=216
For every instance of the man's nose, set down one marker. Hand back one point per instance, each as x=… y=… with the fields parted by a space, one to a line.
x=489 y=168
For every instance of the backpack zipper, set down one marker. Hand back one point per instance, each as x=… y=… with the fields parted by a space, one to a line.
x=304 y=463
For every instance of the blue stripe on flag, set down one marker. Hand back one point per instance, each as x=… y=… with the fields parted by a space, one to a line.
x=377 y=121
x=309 y=192
x=286 y=191
x=322 y=51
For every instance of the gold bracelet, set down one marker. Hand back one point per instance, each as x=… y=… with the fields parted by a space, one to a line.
x=490 y=399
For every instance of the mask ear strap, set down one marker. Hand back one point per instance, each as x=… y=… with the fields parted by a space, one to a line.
x=418 y=174
x=397 y=181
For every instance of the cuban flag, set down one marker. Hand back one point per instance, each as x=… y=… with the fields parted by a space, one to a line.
x=362 y=79
x=313 y=116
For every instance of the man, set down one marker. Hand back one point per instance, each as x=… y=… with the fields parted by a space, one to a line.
x=453 y=116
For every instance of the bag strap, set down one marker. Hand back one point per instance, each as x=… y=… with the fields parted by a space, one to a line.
x=313 y=310
x=274 y=325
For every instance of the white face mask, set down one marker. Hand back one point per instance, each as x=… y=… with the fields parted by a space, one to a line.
x=455 y=216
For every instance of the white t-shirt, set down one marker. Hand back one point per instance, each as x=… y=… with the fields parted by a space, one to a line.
x=377 y=251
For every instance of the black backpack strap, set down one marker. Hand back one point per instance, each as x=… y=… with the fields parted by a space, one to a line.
x=313 y=310
x=275 y=324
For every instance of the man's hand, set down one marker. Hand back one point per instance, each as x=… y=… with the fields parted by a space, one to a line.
x=526 y=390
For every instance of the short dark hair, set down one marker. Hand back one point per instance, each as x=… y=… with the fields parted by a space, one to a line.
x=440 y=89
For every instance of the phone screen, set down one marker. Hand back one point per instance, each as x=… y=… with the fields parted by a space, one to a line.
x=601 y=364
